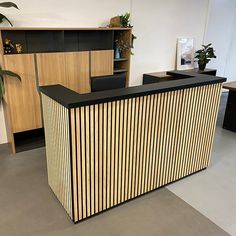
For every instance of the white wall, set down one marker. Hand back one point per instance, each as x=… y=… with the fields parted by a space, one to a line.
x=221 y=31
x=157 y=25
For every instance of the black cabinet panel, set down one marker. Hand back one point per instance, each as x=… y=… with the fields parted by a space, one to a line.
x=95 y=40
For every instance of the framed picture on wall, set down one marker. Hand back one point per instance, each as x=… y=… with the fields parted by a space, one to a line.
x=185 y=53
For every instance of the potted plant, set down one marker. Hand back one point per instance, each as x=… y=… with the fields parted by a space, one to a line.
x=121 y=47
x=204 y=55
x=7 y=5
x=2 y=74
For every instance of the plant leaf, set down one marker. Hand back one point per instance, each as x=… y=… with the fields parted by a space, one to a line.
x=8 y=4
x=2 y=17
x=1 y=89
x=9 y=73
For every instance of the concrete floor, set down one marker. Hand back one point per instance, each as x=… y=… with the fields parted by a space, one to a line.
x=213 y=191
x=28 y=207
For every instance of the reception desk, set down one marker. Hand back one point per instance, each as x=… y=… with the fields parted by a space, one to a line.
x=105 y=148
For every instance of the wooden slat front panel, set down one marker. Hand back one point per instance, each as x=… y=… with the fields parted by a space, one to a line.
x=56 y=123
x=129 y=147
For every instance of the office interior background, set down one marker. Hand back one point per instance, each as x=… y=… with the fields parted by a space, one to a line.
x=157 y=25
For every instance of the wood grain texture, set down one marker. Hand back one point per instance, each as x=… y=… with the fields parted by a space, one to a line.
x=57 y=137
x=102 y=62
x=123 y=149
x=77 y=71
x=22 y=98
x=51 y=68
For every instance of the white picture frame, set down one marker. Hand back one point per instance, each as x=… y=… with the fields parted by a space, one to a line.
x=185 y=54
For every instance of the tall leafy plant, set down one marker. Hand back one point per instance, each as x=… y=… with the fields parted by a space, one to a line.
x=4 y=73
x=7 y=5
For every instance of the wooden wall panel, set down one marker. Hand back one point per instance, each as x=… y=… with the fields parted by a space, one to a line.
x=77 y=71
x=22 y=98
x=102 y=62
x=51 y=68
x=57 y=135
x=135 y=145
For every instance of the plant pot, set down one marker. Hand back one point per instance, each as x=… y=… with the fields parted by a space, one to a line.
x=201 y=66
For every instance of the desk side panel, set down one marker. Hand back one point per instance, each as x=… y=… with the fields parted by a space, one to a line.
x=57 y=136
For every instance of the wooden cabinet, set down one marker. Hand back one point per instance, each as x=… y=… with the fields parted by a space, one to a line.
x=69 y=57
x=22 y=97
x=102 y=62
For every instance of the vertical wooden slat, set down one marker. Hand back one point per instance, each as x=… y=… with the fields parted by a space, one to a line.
x=92 y=157
x=104 y=155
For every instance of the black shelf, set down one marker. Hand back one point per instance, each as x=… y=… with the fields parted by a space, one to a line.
x=119 y=71
x=35 y=41
x=120 y=59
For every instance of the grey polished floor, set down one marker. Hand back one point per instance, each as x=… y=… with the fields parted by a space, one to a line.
x=28 y=207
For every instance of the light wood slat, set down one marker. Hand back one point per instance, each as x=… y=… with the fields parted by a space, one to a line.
x=136 y=118
x=124 y=151
x=120 y=151
x=100 y=160
x=113 y=113
x=132 y=104
x=79 y=162
x=88 y=159
x=128 y=149
x=96 y=124
x=92 y=148
x=109 y=135
x=104 y=155
x=83 y=162
x=116 y=152
x=141 y=145
x=125 y=148
x=140 y=108
x=147 y=169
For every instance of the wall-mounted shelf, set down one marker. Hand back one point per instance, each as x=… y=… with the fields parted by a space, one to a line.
x=120 y=59
x=119 y=71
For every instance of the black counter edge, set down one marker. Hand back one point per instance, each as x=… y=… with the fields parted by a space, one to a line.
x=71 y=99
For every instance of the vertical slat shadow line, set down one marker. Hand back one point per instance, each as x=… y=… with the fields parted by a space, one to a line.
x=71 y=167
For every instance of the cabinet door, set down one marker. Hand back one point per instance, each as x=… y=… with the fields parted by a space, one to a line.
x=51 y=68
x=102 y=62
x=77 y=71
x=22 y=97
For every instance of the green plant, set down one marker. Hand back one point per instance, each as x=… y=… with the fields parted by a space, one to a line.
x=7 y=5
x=125 y=20
x=122 y=45
x=2 y=74
x=204 y=55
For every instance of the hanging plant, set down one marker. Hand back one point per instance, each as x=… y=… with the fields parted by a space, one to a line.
x=7 y=5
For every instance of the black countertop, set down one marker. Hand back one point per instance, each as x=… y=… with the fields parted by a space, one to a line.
x=71 y=99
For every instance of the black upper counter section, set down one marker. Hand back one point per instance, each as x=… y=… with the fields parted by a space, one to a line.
x=71 y=99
